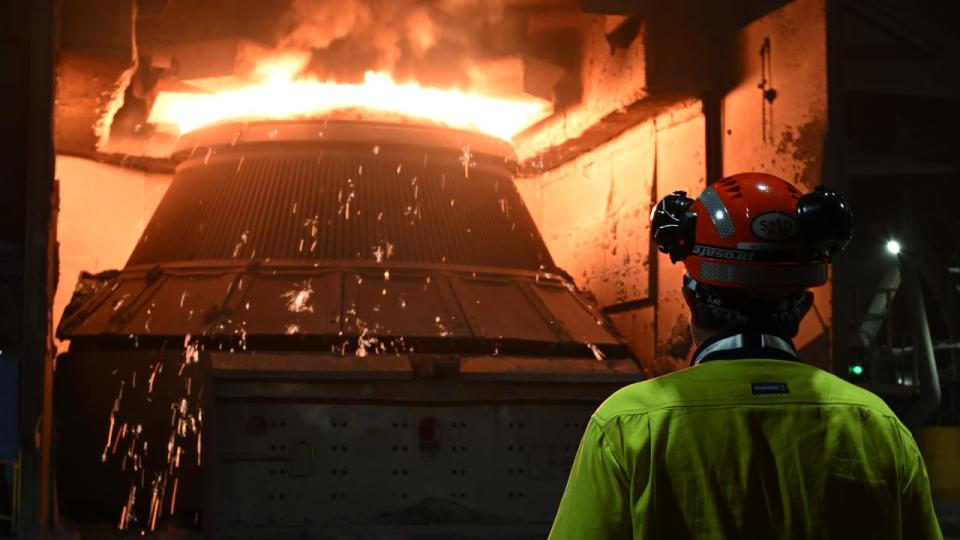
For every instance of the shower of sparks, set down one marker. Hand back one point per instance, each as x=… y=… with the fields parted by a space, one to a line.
x=412 y=213
x=442 y=330
x=243 y=338
x=126 y=516
x=157 y=368
x=345 y=204
x=186 y=422
x=119 y=303
x=313 y=223
x=382 y=251
x=244 y=237
x=113 y=421
x=365 y=343
x=466 y=159
x=298 y=299
x=191 y=354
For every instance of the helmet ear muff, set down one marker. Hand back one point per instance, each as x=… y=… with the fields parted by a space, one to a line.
x=824 y=221
x=674 y=225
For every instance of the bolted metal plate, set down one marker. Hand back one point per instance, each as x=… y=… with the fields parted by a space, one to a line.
x=312 y=465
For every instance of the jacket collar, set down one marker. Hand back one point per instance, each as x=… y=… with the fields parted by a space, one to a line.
x=732 y=346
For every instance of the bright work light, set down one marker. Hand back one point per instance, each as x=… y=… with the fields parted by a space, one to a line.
x=893 y=247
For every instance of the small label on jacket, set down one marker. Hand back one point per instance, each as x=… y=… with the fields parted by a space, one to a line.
x=761 y=388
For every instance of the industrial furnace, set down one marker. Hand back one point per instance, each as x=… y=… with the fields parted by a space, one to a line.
x=331 y=326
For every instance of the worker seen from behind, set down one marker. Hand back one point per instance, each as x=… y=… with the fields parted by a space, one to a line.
x=749 y=442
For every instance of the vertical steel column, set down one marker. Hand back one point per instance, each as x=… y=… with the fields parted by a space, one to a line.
x=38 y=262
x=926 y=362
x=835 y=175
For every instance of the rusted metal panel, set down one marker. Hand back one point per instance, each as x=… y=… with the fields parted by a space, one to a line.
x=97 y=314
x=337 y=388
x=291 y=303
x=581 y=321
x=307 y=365
x=547 y=369
x=180 y=305
x=402 y=305
x=469 y=368
x=164 y=306
x=484 y=302
x=368 y=308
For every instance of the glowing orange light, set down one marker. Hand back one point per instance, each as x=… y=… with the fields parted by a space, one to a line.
x=280 y=95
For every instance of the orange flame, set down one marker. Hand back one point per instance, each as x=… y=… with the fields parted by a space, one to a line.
x=281 y=95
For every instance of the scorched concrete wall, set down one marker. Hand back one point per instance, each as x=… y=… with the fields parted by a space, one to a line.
x=594 y=215
x=103 y=210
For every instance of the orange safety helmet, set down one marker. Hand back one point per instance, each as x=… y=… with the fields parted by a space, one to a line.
x=754 y=231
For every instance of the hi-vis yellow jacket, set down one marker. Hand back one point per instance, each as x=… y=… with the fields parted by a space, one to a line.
x=746 y=449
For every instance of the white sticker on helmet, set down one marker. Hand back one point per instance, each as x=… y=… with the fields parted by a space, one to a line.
x=774 y=226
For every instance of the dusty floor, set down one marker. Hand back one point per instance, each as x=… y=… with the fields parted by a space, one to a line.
x=949 y=513
x=72 y=530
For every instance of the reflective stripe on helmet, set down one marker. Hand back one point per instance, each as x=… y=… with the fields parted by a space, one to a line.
x=763 y=275
x=718 y=213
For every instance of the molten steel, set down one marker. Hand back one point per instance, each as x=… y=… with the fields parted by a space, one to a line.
x=281 y=94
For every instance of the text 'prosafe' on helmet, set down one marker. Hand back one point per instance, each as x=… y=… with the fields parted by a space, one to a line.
x=754 y=230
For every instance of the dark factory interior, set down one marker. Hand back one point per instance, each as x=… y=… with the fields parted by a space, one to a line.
x=360 y=269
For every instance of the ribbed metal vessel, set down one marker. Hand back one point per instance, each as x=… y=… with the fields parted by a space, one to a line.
x=338 y=191
x=321 y=230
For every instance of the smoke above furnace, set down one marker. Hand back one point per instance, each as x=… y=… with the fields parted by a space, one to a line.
x=442 y=42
